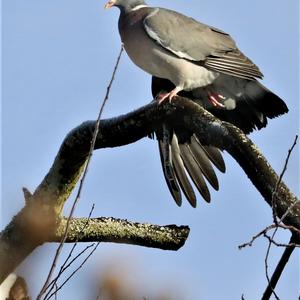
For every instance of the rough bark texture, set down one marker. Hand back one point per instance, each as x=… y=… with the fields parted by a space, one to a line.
x=40 y=220
x=230 y=138
x=170 y=237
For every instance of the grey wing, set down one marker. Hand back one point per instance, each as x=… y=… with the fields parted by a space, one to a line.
x=200 y=43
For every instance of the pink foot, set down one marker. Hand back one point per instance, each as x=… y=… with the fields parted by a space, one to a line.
x=163 y=96
x=215 y=99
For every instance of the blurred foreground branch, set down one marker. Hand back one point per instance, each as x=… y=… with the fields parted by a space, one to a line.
x=40 y=220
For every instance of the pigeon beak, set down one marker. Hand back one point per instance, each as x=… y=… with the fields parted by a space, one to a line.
x=110 y=4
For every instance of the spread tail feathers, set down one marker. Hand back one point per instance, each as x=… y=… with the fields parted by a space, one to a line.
x=190 y=159
x=245 y=103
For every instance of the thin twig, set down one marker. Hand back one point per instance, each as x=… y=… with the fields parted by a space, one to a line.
x=279 y=269
x=75 y=271
x=63 y=267
x=270 y=285
x=266 y=230
x=280 y=179
x=79 y=236
x=267 y=266
x=55 y=291
x=279 y=244
x=54 y=284
x=286 y=213
x=96 y=131
x=276 y=225
x=254 y=238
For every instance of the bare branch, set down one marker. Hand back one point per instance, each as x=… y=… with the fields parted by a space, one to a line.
x=279 y=181
x=279 y=269
x=84 y=174
x=169 y=237
x=254 y=238
x=36 y=223
x=54 y=284
x=42 y=212
x=272 y=288
x=264 y=233
x=73 y=273
x=271 y=239
x=63 y=266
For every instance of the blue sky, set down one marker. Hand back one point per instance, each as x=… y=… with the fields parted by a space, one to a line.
x=58 y=57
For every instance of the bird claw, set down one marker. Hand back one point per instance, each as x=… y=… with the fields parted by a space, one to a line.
x=163 y=96
x=215 y=98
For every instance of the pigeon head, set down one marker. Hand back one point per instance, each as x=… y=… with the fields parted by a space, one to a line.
x=126 y=5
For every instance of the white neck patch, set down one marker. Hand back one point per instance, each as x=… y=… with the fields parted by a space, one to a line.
x=139 y=6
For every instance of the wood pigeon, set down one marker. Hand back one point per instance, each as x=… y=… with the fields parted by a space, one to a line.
x=203 y=63
x=182 y=152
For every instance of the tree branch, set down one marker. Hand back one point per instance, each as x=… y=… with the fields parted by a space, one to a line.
x=226 y=136
x=280 y=267
x=39 y=219
x=169 y=237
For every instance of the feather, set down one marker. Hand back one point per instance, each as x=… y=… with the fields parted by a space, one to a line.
x=167 y=166
x=204 y=163
x=194 y=171
x=214 y=155
x=181 y=173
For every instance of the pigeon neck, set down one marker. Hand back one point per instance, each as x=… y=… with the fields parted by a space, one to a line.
x=133 y=6
x=139 y=6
